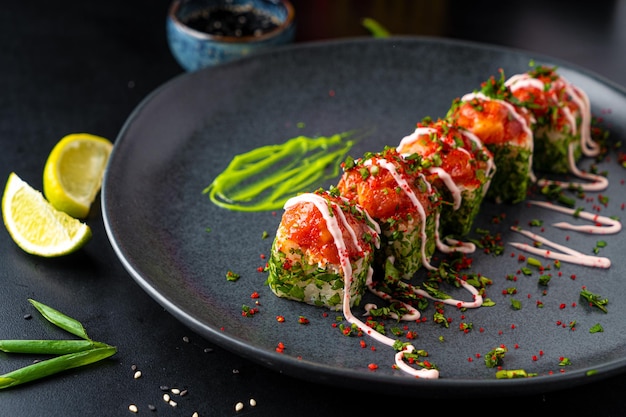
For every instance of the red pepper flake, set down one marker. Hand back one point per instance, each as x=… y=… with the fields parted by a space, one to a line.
x=362 y=343
x=280 y=347
x=372 y=366
x=260 y=269
x=573 y=276
x=411 y=335
x=512 y=327
x=470 y=359
x=562 y=306
x=254 y=295
x=516 y=346
x=535 y=358
x=373 y=348
x=280 y=319
x=541 y=353
x=303 y=320
x=331 y=93
x=262 y=256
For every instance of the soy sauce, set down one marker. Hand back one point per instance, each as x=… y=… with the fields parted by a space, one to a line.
x=231 y=21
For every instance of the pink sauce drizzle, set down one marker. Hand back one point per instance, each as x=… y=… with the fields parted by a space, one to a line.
x=333 y=227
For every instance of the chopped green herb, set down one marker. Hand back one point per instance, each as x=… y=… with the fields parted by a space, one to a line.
x=594 y=300
x=596 y=328
x=565 y=362
x=232 y=276
x=494 y=357
x=545 y=279
x=516 y=304
x=516 y=373
x=526 y=271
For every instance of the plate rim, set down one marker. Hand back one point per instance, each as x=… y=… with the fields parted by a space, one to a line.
x=324 y=373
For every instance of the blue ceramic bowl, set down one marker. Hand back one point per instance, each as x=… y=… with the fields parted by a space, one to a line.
x=195 y=46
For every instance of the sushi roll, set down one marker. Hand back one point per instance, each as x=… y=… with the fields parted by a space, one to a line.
x=323 y=250
x=459 y=166
x=504 y=128
x=562 y=113
x=397 y=194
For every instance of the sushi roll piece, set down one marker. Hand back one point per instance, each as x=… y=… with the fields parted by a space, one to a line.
x=397 y=194
x=459 y=166
x=323 y=250
x=562 y=113
x=504 y=128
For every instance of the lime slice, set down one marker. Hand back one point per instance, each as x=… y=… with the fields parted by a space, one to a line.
x=35 y=225
x=73 y=172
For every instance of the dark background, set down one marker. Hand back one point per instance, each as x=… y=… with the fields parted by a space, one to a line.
x=84 y=66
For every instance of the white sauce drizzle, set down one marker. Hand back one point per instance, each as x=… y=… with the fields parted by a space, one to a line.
x=452 y=245
x=404 y=185
x=333 y=227
x=602 y=225
x=599 y=183
x=528 y=133
x=568 y=255
x=588 y=146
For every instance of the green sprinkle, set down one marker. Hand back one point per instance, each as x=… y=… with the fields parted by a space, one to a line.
x=596 y=328
x=232 y=276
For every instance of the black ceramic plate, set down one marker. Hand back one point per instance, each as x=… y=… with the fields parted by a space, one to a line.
x=178 y=245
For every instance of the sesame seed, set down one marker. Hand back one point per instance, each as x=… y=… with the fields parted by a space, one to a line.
x=173 y=403
x=164 y=388
x=252 y=402
x=133 y=367
x=133 y=408
x=239 y=406
x=195 y=414
x=183 y=393
x=175 y=391
x=166 y=398
x=137 y=375
x=151 y=407
x=185 y=339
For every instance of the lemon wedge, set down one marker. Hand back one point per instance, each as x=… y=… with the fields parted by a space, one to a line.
x=73 y=173
x=35 y=225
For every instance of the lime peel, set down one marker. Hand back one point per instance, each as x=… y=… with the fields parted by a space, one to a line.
x=36 y=226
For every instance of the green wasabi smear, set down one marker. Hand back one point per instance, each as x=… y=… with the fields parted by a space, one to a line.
x=265 y=178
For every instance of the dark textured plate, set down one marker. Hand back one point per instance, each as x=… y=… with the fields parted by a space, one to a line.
x=186 y=132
